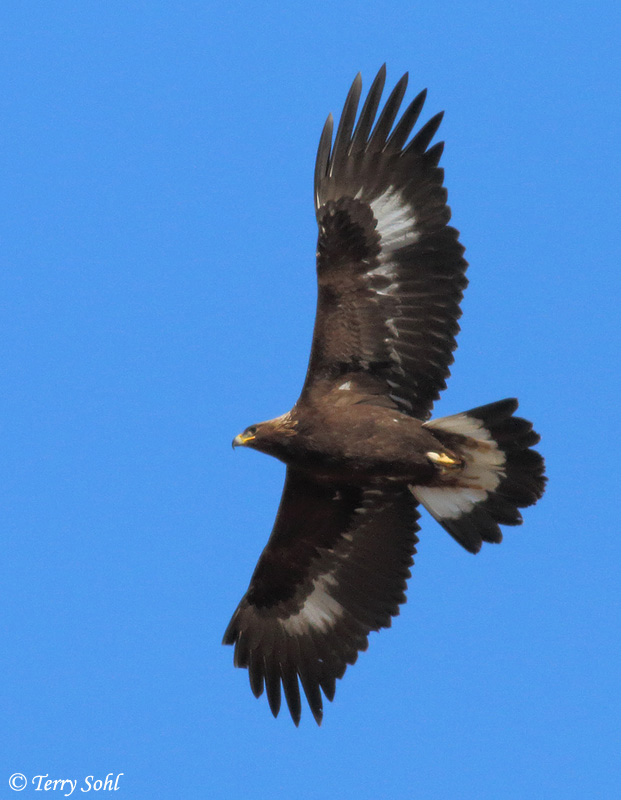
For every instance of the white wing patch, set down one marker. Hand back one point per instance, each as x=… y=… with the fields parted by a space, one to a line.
x=319 y=611
x=396 y=223
x=396 y=226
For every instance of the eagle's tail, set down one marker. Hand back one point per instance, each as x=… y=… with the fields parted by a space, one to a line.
x=498 y=473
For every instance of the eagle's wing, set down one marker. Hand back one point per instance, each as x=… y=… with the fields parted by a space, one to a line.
x=390 y=269
x=334 y=569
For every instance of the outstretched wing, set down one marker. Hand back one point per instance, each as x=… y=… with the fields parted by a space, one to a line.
x=390 y=270
x=334 y=569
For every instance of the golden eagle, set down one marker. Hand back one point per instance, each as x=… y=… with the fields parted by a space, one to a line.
x=360 y=449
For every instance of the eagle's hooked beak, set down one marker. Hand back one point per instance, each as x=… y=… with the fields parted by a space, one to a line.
x=240 y=440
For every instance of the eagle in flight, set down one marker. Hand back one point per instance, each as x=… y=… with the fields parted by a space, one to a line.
x=360 y=448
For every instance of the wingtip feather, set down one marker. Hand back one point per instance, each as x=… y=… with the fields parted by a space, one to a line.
x=322 y=161
x=421 y=141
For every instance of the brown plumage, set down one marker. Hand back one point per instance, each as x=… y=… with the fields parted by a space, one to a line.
x=360 y=449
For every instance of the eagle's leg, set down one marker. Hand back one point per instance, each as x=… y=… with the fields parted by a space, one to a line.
x=444 y=460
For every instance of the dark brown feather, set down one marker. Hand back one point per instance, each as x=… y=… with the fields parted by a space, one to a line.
x=391 y=272
x=353 y=546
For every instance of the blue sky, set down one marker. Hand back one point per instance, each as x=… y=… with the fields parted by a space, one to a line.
x=157 y=295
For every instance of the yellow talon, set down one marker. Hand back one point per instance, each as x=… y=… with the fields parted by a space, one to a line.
x=444 y=460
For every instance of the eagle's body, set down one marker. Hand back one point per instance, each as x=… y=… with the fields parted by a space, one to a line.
x=360 y=448
x=349 y=442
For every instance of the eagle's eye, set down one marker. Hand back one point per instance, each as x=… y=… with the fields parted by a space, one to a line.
x=251 y=430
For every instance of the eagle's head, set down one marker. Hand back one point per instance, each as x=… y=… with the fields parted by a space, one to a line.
x=272 y=437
